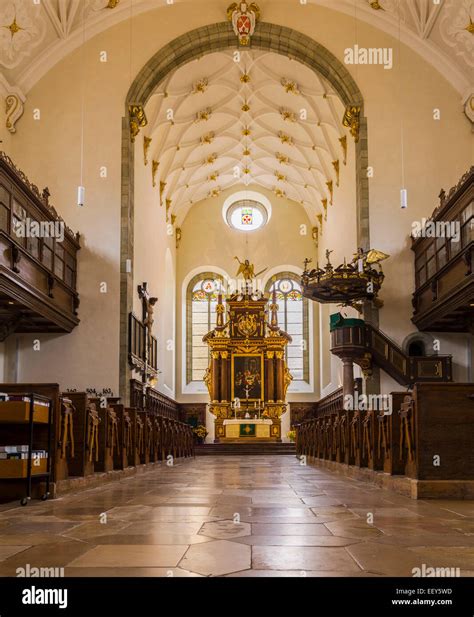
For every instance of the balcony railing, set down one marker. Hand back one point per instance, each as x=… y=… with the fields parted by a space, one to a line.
x=38 y=258
x=444 y=279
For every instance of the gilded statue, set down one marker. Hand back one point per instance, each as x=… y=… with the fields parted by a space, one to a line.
x=208 y=379
x=247 y=270
x=372 y=256
x=288 y=378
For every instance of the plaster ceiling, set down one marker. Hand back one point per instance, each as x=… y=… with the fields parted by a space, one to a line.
x=50 y=29
x=263 y=121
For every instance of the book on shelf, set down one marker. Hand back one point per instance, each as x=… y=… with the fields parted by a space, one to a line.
x=11 y=449
x=36 y=454
x=20 y=397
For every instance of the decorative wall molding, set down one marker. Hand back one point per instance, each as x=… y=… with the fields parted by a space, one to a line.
x=14 y=103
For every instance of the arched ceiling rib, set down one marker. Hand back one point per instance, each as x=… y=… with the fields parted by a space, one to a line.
x=263 y=121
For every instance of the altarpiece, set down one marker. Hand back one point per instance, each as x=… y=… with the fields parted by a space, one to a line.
x=248 y=376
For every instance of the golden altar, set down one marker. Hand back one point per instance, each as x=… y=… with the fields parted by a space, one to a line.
x=247 y=378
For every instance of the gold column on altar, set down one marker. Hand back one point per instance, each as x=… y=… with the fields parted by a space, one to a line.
x=224 y=376
x=215 y=376
x=270 y=376
x=280 y=375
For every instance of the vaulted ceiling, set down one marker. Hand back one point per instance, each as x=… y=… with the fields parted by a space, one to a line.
x=34 y=36
x=263 y=121
x=37 y=34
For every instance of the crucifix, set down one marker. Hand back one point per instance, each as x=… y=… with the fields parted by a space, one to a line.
x=148 y=304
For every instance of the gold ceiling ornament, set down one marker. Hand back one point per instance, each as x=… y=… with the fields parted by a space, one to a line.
x=351 y=120
x=470 y=26
x=287 y=115
x=245 y=78
x=244 y=17
x=291 y=87
x=469 y=107
x=111 y=4
x=215 y=192
x=375 y=4
x=179 y=234
x=13 y=111
x=138 y=120
x=280 y=177
x=325 y=208
x=13 y=27
x=331 y=190
x=335 y=164
x=343 y=142
x=246 y=170
x=246 y=152
x=246 y=132
x=282 y=158
x=154 y=169
x=207 y=139
x=213 y=177
x=279 y=192
x=146 y=147
x=315 y=236
x=173 y=219
x=320 y=221
x=168 y=207
x=201 y=86
x=245 y=107
x=203 y=115
x=162 y=189
x=211 y=159
x=285 y=139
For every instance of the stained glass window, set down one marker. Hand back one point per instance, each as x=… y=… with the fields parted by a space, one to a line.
x=247 y=216
x=293 y=318
x=203 y=292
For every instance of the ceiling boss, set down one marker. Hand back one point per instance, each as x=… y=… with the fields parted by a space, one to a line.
x=244 y=17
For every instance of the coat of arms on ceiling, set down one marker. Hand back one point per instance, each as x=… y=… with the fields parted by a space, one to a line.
x=244 y=17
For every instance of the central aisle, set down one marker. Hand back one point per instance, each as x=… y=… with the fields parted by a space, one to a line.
x=294 y=520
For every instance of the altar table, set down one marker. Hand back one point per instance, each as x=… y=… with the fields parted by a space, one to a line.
x=247 y=427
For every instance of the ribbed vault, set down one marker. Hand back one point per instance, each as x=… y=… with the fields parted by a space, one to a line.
x=263 y=120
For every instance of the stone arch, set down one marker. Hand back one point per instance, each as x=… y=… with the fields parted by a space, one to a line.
x=427 y=340
x=194 y=44
x=267 y=37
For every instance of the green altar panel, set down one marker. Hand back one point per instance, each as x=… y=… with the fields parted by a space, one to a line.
x=247 y=430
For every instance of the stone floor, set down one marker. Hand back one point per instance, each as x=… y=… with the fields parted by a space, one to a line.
x=237 y=516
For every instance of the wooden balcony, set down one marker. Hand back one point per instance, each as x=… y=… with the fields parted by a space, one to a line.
x=38 y=259
x=444 y=280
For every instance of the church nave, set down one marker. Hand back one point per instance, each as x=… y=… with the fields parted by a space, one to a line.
x=238 y=516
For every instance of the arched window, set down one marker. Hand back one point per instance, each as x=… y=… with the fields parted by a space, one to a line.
x=201 y=302
x=293 y=318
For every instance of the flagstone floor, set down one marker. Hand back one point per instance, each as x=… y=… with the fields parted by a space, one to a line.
x=237 y=516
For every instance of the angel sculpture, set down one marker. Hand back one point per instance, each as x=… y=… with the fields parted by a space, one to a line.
x=370 y=257
x=247 y=270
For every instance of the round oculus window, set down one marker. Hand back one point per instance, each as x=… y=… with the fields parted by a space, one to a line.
x=246 y=215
